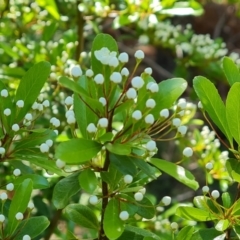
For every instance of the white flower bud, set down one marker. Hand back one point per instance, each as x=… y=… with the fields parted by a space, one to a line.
x=60 y=163
x=44 y=148
x=125 y=72
x=166 y=200
x=26 y=237
x=46 y=103
x=200 y=105
x=4 y=93
x=93 y=200
x=209 y=166
x=20 y=103
x=49 y=142
x=215 y=194
x=19 y=216
x=30 y=205
x=182 y=130
x=15 y=127
x=10 y=187
x=71 y=119
x=137 y=115
x=187 y=152
x=103 y=101
x=113 y=62
x=55 y=122
x=89 y=73
x=138 y=196
x=124 y=215
x=150 y=103
x=137 y=82
x=28 y=117
x=69 y=113
x=142 y=190
x=151 y=145
x=7 y=112
x=69 y=101
x=205 y=189
x=2 y=150
x=128 y=178
x=182 y=103
x=149 y=119
x=91 y=128
x=123 y=57
x=99 y=79
x=164 y=113
x=76 y=71
x=131 y=93
x=103 y=122
x=17 y=172
x=3 y=196
x=116 y=77
x=176 y=122
x=40 y=107
x=153 y=87
x=35 y=106
x=2 y=218
x=148 y=71
x=174 y=226
x=139 y=54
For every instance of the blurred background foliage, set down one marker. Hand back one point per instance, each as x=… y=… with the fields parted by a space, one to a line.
x=180 y=38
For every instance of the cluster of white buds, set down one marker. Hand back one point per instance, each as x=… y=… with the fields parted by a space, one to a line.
x=44 y=147
x=70 y=115
x=106 y=57
x=55 y=122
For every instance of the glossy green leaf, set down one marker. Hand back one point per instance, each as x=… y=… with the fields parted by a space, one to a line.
x=113 y=226
x=77 y=151
x=233 y=111
x=65 y=189
x=82 y=215
x=50 y=6
x=33 y=227
x=204 y=234
x=233 y=168
x=30 y=87
x=119 y=149
x=39 y=182
x=178 y=172
x=212 y=103
x=236 y=208
x=195 y=214
x=226 y=199
x=123 y=164
x=146 y=208
x=19 y=203
x=88 y=180
x=236 y=229
x=231 y=71
x=185 y=233
x=222 y=225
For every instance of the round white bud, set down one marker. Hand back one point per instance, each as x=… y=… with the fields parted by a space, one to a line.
x=138 y=196
x=116 y=77
x=69 y=101
x=56 y=123
x=113 y=62
x=137 y=115
x=205 y=189
x=174 y=226
x=60 y=163
x=46 y=103
x=17 y=172
x=131 y=93
x=3 y=196
x=148 y=71
x=128 y=178
x=166 y=200
x=182 y=130
x=26 y=237
x=149 y=119
x=76 y=71
x=151 y=145
x=2 y=218
x=2 y=150
x=44 y=148
x=103 y=122
x=28 y=117
x=125 y=72
x=19 y=216
x=150 y=103
x=71 y=119
x=40 y=107
x=7 y=112
x=152 y=87
x=30 y=205
x=139 y=54
x=215 y=194
x=182 y=103
x=187 y=152
x=35 y=106
x=164 y=113
x=49 y=142
x=89 y=73
x=10 y=187
x=99 y=79
x=176 y=122
x=69 y=113
x=123 y=57
x=124 y=215
x=4 y=93
x=15 y=127
x=20 y=103
x=91 y=128
x=137 y=82
x=93 y=200
x=209 y=166
x=142 y=190
x=103 y=101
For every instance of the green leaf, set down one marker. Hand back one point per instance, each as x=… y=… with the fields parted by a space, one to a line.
x=77 y=151
x=226 y=199
x=178 y=172
x=65 y=189
x=123 y=164
x=19 y=203
x=233 y=111
x=88 y=180
x=33 y=227
x=212 y=103
x=185 y=233
x=231 y=71
x=204 y=234
x=222 y=225
x=113 y=226
x=119 y=149
x=194 y=214
x=82 y=215
x=236 y=208
x=30 y=87
x=39 y=182
x=233 y=168
x=50 y=6
x=100 y=41
x=146 y=208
